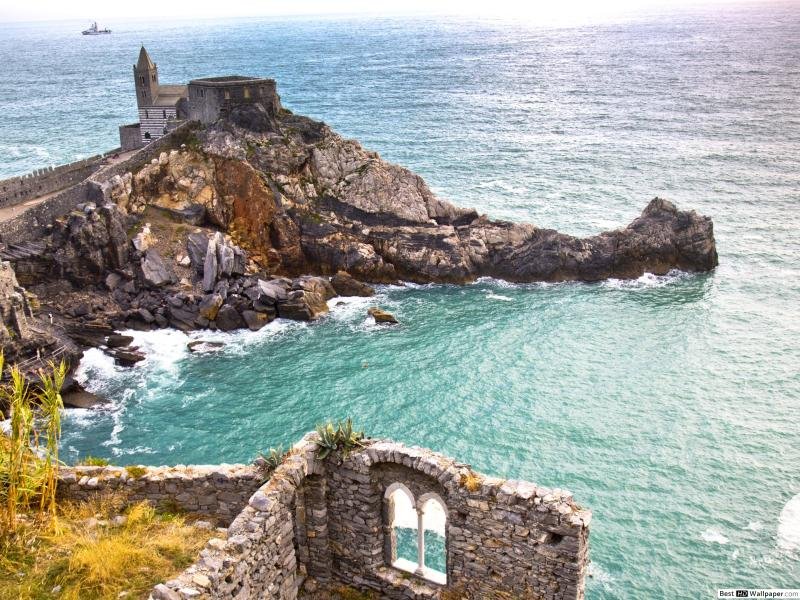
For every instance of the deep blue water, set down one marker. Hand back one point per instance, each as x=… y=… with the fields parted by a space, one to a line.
x=669 y=406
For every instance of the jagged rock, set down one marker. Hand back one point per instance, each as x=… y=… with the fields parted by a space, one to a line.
x=82 y=399
x=85 y=247
x=196 y=247
x=14 y=306
x=119 y=341
x=210 y=305
x=253 y=117
x=316 y=285
x=273 y=291
x=182 y=318
x=127 y=358
x=113 y=280
x=381 y=316
x=204 y=346
x=229 y=319
x=144 y=240
x=211 y=266
x=239 y=261
x=346 y=285
x=155 y=272
x=226 y=257
x=255 y=320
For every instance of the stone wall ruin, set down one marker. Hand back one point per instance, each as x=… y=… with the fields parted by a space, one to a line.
x=317 y=524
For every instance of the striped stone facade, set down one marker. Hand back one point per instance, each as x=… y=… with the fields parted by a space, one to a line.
x=154 y=121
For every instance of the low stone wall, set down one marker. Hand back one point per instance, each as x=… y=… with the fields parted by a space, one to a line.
x=34 y=222
x=218 y=492
x=47 y=180
x=325 y=523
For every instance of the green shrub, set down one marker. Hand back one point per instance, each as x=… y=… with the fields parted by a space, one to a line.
x=340 y=436
x=93 y=461
x=135 y=471
x=29 y=454
x=274 y=457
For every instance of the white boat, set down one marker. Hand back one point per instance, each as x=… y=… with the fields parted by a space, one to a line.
x=93 y=30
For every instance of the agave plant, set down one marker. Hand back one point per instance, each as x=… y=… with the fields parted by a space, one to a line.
x=349 y=438
x=328 y=439
x=274 y=457
x=342 y=436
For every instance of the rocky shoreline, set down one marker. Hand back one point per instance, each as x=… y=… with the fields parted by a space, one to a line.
x=261 y=217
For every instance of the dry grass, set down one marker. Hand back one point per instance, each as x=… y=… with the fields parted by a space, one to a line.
x=471 y=481
x=90 y=556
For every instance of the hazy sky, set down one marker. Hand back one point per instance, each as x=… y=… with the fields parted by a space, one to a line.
x=116 y=10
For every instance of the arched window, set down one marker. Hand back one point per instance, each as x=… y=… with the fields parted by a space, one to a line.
x=147 y=135
x=402 y=521
x=415 y=532
x=433 y=550
x=246 y=93
x=164 y=112
x=154 y=76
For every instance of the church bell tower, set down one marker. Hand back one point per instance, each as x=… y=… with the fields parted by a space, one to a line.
x=145 y=74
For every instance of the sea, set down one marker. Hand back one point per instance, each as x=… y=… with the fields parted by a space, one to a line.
x=668 y=405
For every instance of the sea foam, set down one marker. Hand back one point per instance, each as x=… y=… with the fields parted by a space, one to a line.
x=789 y=525
x=714 y=535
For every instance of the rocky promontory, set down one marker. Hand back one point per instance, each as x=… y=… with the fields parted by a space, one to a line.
x=255 y=218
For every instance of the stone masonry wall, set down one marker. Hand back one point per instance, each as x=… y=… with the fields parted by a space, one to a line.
x=218 y=492
x=32 y=224
x=47 y=180
x=317 y=523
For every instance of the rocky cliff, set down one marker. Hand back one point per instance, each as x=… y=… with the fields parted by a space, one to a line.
x=235 y=226
x=302 y=199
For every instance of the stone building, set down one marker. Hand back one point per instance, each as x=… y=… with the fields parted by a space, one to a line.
x=162 y=107
x=214 y=97
x=159 y=105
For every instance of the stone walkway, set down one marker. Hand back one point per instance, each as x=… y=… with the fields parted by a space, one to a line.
x=10 y=212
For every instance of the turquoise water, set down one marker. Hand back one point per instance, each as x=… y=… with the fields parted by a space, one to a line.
x=667 y=405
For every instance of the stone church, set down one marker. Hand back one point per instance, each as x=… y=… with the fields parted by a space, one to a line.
x=162 y=107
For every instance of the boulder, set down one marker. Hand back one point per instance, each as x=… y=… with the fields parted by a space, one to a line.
x=346 y=285
x=196 y=248
x=253 y=117
x=316 y=285
x=381 y=316
x=155 y=272
x=210 y=305
x=272 y=291
x=210 y=266
x=112 y=281
x=302 y=305
x=144 y=240
x=119 y=341
x=226 y=259
x=228 y=319
x=255 y=320
x=239 y=261
x=182 y=318
x=204 y=346
x=82 y=399
x=128 y=357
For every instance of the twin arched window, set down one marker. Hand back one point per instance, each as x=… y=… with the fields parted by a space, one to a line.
x=416 y=533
